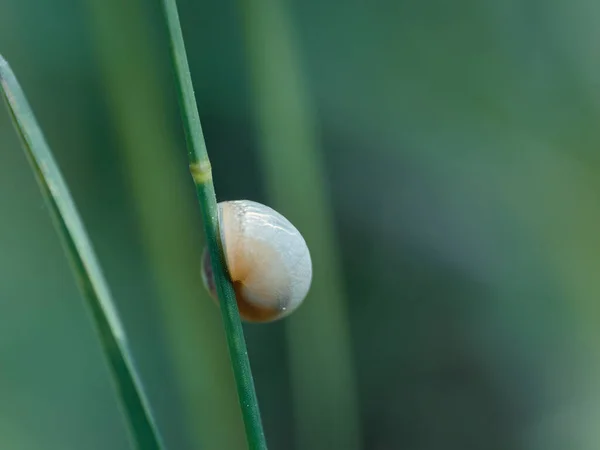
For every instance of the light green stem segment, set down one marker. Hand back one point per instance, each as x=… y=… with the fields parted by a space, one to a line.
x=321 y=364
x=208 y=415
x=202 y=175
x=78 y=248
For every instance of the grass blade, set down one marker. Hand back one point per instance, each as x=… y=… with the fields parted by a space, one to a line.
x=208 y=415
x=202 y=175
x=325 y=400
x=143 y=431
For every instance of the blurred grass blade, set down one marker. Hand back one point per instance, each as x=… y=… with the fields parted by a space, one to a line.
x=77 y=245
x=202 y=390
x=202 y=175
x=325 y=400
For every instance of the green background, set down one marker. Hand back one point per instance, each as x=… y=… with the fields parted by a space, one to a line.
x=442 y=159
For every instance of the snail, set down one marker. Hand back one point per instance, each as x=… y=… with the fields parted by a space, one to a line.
x=267 y=259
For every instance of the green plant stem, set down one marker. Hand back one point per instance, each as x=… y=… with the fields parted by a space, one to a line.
x=202 y=175
x=78 y=248
x=168 y=223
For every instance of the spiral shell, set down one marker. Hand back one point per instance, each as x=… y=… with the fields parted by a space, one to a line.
x=267 y=258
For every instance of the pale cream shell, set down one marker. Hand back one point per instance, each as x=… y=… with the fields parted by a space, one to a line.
x=267 y=259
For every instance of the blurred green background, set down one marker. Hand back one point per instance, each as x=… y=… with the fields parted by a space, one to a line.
x=442 y=160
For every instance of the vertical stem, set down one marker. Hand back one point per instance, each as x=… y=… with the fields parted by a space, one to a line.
x=202 y=175
x=196 y=347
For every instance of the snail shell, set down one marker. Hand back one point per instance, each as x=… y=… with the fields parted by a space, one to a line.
x=267 y=259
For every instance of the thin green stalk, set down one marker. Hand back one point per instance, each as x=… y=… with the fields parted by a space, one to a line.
x=78 y=248
x=203 y=383
x=325 y=400
x=202 y=175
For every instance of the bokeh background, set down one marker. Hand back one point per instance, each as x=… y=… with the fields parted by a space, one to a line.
x=441 y=158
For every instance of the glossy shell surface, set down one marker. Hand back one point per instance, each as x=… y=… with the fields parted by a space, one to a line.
x=267 y=259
